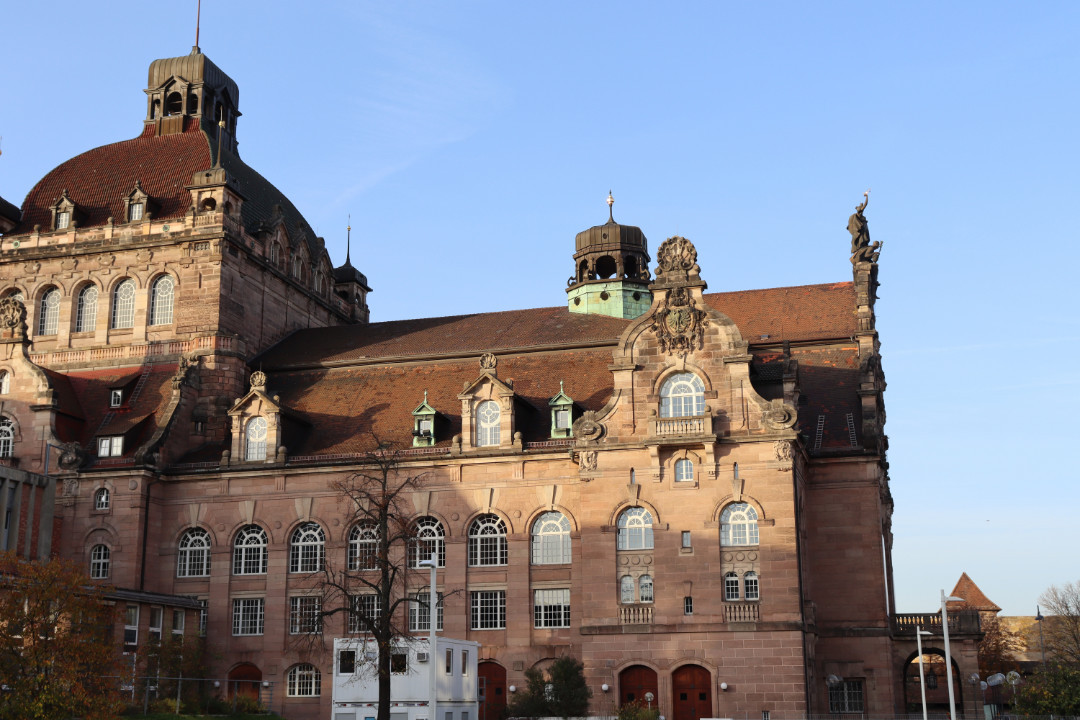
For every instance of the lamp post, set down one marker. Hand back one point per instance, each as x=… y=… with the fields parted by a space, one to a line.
x=948 y=655
x=919 y=632
x=1042 y=647
x=433 y=664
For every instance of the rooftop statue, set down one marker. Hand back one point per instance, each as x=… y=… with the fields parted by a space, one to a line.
x=861 y=248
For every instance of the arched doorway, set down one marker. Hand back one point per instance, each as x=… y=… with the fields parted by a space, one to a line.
x=492 y=690
x=937 y=688
x=634 y=682
x=245 y=680
x=691 y=691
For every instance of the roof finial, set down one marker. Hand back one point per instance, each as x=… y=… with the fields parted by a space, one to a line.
x=348 y=239
x=220 y=128
x=610 y=203
x=198 y=16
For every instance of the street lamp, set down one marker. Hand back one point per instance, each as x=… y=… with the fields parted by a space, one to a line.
x=948 y=655
x=919 y=632
x=433 y=564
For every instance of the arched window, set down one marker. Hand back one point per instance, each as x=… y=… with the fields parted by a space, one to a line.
x=307 y=551
x=193 y=554
x=298 y=268
x=551 y=539
x=750 y=586
x=684 y=470
x=7 y=438
x=161 y=300
x=316 y=281
x=101 y=499
x=304 y=681
x=275 y=253
x=249 y=551
x=363 y=546
x=428 y=539
x=487 y=541
x=99 y=562
x=174 y=104
x=86 y=311
x=645 y=589
x=682 y=395
x=626 y=590
x=49 y=314
x=255 y=439
x=488 y=415
x=738 y=525
x=731 y=587
x=635 y=530
x=123 y=305
x=5 y=382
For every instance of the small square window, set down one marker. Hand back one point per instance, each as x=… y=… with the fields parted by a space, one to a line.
x=116 y=398
x=112 y=446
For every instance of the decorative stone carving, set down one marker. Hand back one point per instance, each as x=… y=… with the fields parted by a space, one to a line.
x=182 y=369
x=31 y=268
x=587 y=428
x=488 y=361
x=69 y=264
x=72 y=456
x=144 y=256
x=588 y=460
x=782 y=450
x=861 y=248
x=778 y=415
x=677 y=256
x=258 y=380
x=12 y=313
x=105 y=261
x=679 y=324
x=71 y=487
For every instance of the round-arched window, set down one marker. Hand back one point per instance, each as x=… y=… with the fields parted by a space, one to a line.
x=363 y=546
x=488 y=415
x=249 y=551
x=487 y=541
x=551 y=539
x=682 y=395
x=684 y=470
x=255 y=439
x=428 y=539
x=161 y=300
x=738 y=525
x=635 y=529
x=86 y=311
x=123 y=308
x=49 y=315
x=193 y=554
x=307 y=551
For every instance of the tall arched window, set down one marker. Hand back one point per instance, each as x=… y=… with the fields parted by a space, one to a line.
x=363 y=546
x=255 y=439
x=307 y=551
x=645 y=589
x=249 y=551
x=101 y=499
x=684 y=470
x=86 y=312
x=161 y=300
x=487 y=541
x=635 y=531
x=49 y=313
x=193 y=554
x=488 y=415
x=738 y=525
x=551 y=539
x=304 y=681
x=123 y=305
x=99 y=562
x=626 y=590
x=682 y=395
x=7 y=438
x=428 y=538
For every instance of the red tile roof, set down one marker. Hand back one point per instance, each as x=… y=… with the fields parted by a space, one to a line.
x=973 y=596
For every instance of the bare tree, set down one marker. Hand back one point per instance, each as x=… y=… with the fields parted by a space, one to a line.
x=369 y=589
x=1063 y=632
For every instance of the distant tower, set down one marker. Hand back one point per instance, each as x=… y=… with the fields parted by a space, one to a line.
x=611 y=270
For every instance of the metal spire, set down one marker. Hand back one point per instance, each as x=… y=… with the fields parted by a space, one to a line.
x=610 y=203
x=348 y=240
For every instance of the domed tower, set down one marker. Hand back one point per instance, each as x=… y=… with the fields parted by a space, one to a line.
x=192 y=87
x=611 y=275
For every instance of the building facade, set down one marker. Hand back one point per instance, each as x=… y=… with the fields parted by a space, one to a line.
x=686 y=490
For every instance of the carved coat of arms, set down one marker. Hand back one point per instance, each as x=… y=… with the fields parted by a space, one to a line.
x=679 y=324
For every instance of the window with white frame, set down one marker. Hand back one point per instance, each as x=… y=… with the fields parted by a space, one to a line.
x=131 y=628
x=750 y=586
x=255 y=439
x=487 y=609
x=305 y=615
x=154 y=626
x=49 y=314
x=487 y=541
x=63 y=220
x=7 y=437
x=846 y=696
x=365 y=611
x=739 y=525
x=645 y=589
x=363 y=546
x=161 y=300
x=86 y=309
x=248 y=615
x=193 y=554
x=178 y=622
x=428 y=539
x=111 y=446
x=135 y=212
x=626 y=590
x=101 y=499
x=731 y=587
x=684 y=470
x=123 y=305
x=249 y=551
x=682 y=395
x=5 y=382
x=116 y=397
x=551 y=608
x=488 y=416
x=99 y=562
x=204 y=615
x=688 y=605
x=635 y=529
x=307 y=549
x=420 y=612
x=304 y=681
x=551 y=539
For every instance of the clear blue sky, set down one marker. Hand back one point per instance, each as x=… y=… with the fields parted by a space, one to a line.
x=470 y=141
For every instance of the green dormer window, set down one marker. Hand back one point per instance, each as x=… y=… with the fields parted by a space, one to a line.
x=562 y=414
x=423 y=424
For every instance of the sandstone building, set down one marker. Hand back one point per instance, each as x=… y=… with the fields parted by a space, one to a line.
x=687 y=490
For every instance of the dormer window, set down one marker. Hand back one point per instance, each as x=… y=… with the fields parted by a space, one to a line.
x=63 y=220
x=488 y=416
x=111 y=446
x=63 y=212
x=424 y=424
x=562 y=414
x=135 y=212
x=116 y=398
x=138 y=204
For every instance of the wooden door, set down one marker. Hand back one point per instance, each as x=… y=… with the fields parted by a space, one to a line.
x=634 y=682
x=492 y=690
x=691 y=689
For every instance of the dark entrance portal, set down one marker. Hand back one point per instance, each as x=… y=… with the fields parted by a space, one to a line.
x=691 y=689
x=492 y=690
x=634 y=682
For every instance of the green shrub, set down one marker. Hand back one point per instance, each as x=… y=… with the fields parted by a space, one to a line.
x=246 y=705
x=637 y=710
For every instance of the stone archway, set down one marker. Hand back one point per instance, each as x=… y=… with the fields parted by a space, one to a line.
x=691 y=693
x=635 y=681
x=244 y=680
x=492 y=690
x=937 y=689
